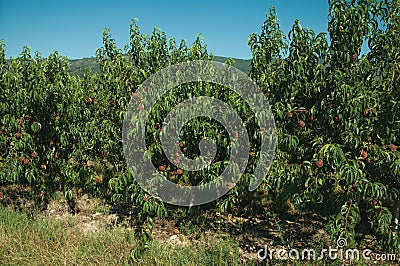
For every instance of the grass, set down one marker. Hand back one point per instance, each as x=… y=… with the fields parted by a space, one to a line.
x=223 y=253
x=41 y=241
x=27 y=241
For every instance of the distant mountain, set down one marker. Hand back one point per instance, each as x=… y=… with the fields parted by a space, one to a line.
x=241 y=64
x=78 y=66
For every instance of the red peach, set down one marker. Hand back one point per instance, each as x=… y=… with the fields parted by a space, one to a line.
x=364 y=154
x=393 y=147
x=319 y=163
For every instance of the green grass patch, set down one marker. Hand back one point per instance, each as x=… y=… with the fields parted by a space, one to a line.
x=42 y=241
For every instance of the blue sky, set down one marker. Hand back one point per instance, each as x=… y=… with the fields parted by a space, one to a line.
x=74 y=28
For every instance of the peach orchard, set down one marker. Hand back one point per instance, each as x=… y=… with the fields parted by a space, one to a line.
x=336 y=112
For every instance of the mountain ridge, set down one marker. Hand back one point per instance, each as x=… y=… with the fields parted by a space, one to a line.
x=78 y=66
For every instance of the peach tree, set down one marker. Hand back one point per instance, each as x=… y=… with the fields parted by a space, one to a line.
x=337 y=116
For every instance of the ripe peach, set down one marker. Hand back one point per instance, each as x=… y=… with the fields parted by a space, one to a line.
x=364 y=154
x=301 y=123
x=393 y=147
x=319 y=163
